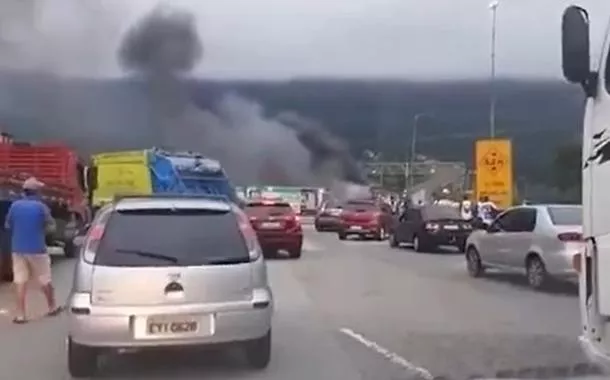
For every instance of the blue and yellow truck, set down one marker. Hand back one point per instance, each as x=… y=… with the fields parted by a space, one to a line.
x=155 y=171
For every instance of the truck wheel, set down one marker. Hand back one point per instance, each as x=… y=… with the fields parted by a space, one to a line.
x=82 y=360
x=258 y=352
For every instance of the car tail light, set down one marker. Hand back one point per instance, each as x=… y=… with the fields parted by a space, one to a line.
x=92 y=242
x=570 y=237
x=292 y=222
x=249 y=234
x=432 y=226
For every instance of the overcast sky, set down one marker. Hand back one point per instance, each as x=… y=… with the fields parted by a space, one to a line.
x=415 y=39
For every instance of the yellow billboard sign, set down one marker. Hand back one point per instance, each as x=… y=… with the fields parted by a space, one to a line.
x=494 y=171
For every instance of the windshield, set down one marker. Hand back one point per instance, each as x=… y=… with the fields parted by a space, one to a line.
x=170 y=237
x=360 y=206
x=265 y=210
x=566 y=215
x=440 y=212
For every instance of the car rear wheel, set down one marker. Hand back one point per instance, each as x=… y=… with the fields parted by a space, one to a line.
x=537 y=276
x=473 y=262
x=82 y=360
x=342 y=236
x=296 y=253
x=392 y=240
x=258 y=352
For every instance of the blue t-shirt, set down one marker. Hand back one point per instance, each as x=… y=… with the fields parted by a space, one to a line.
x=27 y=218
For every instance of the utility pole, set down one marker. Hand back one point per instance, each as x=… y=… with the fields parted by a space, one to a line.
x=411 y=164
x=492 y=106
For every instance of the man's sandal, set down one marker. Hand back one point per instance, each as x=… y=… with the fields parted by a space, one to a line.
x=55 y=312
x=20 y=320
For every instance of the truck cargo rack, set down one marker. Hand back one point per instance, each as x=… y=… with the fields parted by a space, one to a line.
x=11 y=186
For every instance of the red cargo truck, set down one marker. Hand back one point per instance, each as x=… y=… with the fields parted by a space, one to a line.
x=60 y=170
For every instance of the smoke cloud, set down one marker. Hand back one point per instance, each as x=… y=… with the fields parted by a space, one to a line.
x=155 y=107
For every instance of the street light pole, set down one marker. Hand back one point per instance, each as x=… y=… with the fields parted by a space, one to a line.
x=492 y=106
x=413 y=145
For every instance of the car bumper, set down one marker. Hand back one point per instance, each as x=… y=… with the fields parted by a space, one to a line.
x=280 y=241
x=595 y=353
x=124 y=327
x=448 y=238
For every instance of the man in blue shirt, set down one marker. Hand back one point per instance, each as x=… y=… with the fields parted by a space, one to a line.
x=29 y=220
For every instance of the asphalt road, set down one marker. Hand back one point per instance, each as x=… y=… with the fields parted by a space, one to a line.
x=353 y=310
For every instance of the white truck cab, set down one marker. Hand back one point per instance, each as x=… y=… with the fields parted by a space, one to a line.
x=594 y=263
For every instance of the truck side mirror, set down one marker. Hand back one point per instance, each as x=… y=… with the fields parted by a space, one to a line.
x=91 y=177
x=575 y=45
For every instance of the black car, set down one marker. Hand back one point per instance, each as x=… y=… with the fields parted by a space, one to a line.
x=428 y=227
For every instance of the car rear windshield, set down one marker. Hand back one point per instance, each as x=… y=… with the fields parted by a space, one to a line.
x=360 y=206
x=183 y=237
x=264 y=210
x=440 y=212
x=566 y=215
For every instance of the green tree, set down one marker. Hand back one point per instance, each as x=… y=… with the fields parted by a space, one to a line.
x=567 y=170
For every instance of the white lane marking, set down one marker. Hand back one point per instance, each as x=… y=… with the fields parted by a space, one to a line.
x=391 y=356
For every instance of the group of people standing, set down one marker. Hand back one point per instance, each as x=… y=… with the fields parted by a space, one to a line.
x=484 y=210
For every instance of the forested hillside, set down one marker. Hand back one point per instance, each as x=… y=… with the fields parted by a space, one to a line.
x=375 y=115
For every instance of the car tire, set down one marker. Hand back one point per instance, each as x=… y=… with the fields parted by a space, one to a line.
x=537 y=276
x=318 y=228
x=393 y=241
x=342 y=236
x=296 y=253
x=381 y=234
x=473 y=262
x=82 y=360
x=69 y=249
x=258 y=352
x=461 y=246
x=418 y=245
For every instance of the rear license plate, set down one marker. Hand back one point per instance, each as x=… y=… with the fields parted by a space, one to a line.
x=355 y=228
x=452 y=228
x=271 y=225
x=174 y=326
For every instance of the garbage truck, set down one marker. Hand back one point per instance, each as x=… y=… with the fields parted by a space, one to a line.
x=592 y=263
x=155 y=171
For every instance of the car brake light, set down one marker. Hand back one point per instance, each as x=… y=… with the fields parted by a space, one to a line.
x=292 y=221
x=570 y=237
x=93 y=242
x=249 y=234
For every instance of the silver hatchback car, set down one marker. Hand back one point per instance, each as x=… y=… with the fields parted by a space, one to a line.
x=166 y=272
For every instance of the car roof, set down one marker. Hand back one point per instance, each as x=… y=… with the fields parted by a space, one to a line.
x=145 y=203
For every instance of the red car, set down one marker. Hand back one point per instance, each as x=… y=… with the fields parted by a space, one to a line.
x=277 y=227
x=367 y=219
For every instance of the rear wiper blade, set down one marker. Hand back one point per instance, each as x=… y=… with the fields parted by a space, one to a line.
x=152 y=255
x=227 y=260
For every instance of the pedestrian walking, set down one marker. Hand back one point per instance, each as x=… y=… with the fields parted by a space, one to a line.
x=29 y=220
